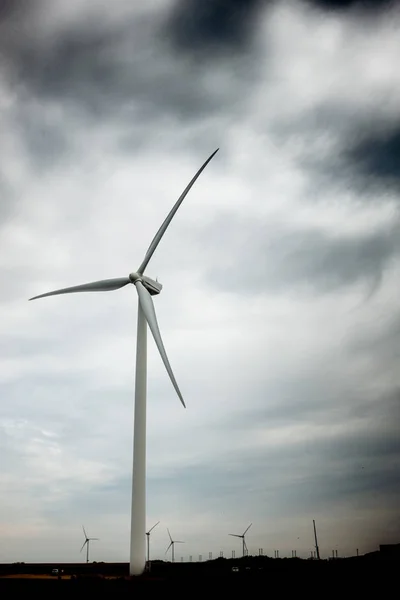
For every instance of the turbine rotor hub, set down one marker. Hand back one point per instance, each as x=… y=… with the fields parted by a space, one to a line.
x=153 y=287
x=134 y=277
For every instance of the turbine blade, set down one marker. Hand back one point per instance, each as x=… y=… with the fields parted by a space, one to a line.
x=105 y=285
x=178 y=542
x=169 y=535
x=84 y=544
x=170 y=216
x=146 y=303
x=84 y=533
x=168 y=547
x=248 y=528
x=98 y=539
x=151 y=528
x=235 y=535
x=245 y=545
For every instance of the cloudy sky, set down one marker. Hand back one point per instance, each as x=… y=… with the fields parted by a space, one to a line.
x=279 y=310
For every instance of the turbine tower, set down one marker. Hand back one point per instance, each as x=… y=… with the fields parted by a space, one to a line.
x=146 y=288
x=86 y=543
x=148 y=543
x=316 y=540
x=172 y=544
x=244 y=545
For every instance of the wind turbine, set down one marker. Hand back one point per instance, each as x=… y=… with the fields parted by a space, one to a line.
x=172 y=544
x=243 y=539
x=86 y=543
x=148 y=542
x=146 y=288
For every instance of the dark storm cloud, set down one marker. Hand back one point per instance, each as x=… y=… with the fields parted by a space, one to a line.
x=15 y=10
x=16 y=17
x=367 y=158
x=121 y=71
x=372 y=421
x=358 y=461
x=79 y=65
x=343 y=5
x=213 y=26
x=70 y=81
x=311 y=398
x=376 y=158
x=354 y=466
x=301 y=258
x=365 y=154
x=44 y=138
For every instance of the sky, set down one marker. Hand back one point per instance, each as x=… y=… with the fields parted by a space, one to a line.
x=279 y=310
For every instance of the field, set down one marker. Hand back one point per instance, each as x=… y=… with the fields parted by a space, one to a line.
x=373 y=575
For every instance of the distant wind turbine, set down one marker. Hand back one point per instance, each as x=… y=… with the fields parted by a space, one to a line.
x=244 y=545
x=86 y=543
x=146 y=288
x=172 y=544
x=148 y=542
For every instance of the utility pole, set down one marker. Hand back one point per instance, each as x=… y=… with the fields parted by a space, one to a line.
x=316 y=541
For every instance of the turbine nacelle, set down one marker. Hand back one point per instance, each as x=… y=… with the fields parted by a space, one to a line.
x=153 y=287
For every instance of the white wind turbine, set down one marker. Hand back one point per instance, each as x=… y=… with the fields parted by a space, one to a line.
x=146 y=288
x=86 y=543
x=244 y=545
x=172 y=545
x=148 y=543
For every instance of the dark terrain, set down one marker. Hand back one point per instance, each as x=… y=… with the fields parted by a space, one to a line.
x=372 y=573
